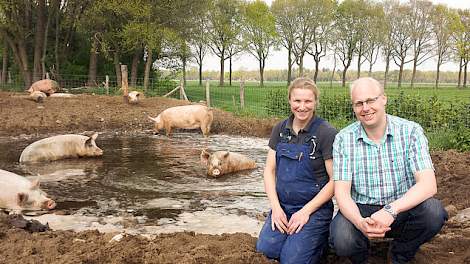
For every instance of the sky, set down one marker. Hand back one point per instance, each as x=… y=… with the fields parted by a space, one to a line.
x=278 y=59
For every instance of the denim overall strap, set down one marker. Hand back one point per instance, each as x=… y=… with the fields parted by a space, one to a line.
x=296 y=183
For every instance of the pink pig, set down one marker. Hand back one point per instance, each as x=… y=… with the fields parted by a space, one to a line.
x=223 y=162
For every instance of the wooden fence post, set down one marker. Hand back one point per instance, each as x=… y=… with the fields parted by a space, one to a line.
x=125 y=85
x=181 y=90
x=242 y=94
x=208 y=94
x=106 y=84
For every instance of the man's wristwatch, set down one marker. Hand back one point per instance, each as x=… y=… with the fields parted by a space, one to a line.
x=387 y=208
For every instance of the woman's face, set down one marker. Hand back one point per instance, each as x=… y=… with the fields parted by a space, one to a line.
x=302 y=104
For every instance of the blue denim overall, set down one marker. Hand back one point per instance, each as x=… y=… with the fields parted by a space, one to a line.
x=296 y=185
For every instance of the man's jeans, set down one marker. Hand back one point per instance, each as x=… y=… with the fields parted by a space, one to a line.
x=410 y=230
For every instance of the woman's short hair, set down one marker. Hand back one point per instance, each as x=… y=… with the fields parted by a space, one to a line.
x=305 y=83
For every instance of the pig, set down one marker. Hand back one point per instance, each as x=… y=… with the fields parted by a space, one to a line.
x=223 y=162
x=37 y=96
x=18 y=193
x=62 y=95
x=134 y=97
x=61 y=147
x=46 y=86
x=186 y=116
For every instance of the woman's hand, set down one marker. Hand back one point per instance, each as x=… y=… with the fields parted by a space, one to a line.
x=297 y=221
x=278 y=220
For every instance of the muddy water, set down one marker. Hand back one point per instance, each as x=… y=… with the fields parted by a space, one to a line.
x=150 y=184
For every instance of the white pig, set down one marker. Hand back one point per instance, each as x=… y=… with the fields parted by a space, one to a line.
x=186 y=116
x=46 y=86
x=37 y=96
x=134 y=97
x=223 y=162
x=61 y=147
x=18 y=193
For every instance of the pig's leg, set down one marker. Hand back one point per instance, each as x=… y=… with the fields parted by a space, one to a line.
x=168 y=129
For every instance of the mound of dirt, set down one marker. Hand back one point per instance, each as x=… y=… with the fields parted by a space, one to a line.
x=19 y=115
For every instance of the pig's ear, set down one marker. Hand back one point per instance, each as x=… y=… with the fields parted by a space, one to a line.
x=21 y=198
x=94 y=136
x=226 y=155
x=35 y=184
x=204 y=157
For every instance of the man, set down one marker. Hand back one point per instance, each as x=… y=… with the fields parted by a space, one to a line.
x=384 y=181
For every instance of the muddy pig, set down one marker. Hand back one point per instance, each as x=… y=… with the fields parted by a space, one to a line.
x=46 y=86
x=61 y=147
x=186 y=116
x=37 y=96
x=134 y=97
x=18 y=193
x=223 y=162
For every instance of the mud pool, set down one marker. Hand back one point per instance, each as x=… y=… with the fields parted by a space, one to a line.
x=149 y=184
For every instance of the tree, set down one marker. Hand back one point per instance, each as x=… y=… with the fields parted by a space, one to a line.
x=224 y=27
x=284 y=12
x=421 y=33
x=259 y=32
x=462 y=40
x=401 y=37
x=323 y=12
x=387 y=44
x=347 y=33
x=199 y=40
x=445 y=22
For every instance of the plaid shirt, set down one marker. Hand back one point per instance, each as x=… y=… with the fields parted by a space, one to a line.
x=380 y=173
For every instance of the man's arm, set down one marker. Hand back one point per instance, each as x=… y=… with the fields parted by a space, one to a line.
x=349 y=209
x=278 y=217
x=424 y=188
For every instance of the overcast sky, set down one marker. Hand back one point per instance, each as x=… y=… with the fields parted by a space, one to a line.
x=278 y=59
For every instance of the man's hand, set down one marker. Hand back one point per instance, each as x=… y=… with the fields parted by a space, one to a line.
x=297 y=221
x=278 y=220
x=371 y=229
x=382 y=218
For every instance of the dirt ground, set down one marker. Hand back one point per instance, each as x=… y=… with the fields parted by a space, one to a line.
x=21 y=117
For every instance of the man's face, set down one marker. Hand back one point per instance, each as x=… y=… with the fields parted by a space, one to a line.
x=368 y=103
x=302 y=103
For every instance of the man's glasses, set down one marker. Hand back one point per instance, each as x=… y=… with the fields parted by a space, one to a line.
x=369 y=101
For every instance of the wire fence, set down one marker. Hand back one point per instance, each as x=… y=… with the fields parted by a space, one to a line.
x=446 y=108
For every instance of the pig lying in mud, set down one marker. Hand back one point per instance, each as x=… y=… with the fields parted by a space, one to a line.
x=37 y=96
x=223 y=162
x=18 y=193
x=46 y=86
x=134 y=97
x=186 y=116
x=61 y=147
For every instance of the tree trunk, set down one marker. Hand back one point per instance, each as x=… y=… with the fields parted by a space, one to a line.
x=200 y=68
x=465 y=75
x=135 y=64
x=92 y=68
x=117 y=68
x=261 y=72
x=413 y=76
x=56 y=44
x=289 y=65
x=301 y=66
x=317 y=66
x=343 y=82
x=184 y=71
x=221 y=78
x=21 y=57
x=437 y=71
x=148 y=65
x=230 y=71
x=3 y=80
x=39 y=36
x=460 y=72
x=400 y=74
x=387 y=68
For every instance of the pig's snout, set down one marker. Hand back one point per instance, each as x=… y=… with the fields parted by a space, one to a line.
x=216 y=172
x=49 y=204
x=99 y=152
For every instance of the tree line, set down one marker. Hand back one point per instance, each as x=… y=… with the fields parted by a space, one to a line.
x=94 y=37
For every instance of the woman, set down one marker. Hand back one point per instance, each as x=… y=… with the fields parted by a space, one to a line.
x=298 y=181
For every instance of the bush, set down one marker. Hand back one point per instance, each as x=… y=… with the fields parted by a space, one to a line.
x=277 y=103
